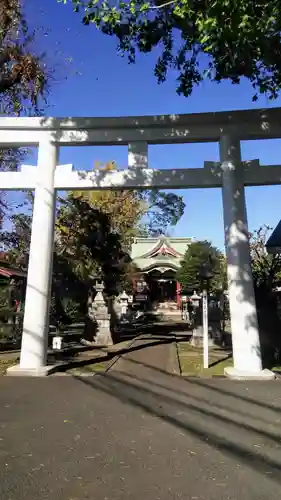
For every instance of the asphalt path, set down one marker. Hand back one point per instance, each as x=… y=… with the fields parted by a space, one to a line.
x=139 y=433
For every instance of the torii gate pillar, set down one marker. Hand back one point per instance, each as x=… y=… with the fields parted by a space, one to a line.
x=243 y=313
x=33 y=358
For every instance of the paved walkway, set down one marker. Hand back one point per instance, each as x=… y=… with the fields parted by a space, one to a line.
x=149 y=351
x=135 y=434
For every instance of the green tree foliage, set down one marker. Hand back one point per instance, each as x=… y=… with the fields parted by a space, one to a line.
x=23 y=78
x=148 y=212
x=198 y=254
x=85 y=247
x=217 y=39
x=68 y=291
x=266 y=268
x=84 y=237
x=93 y=236
x=123 y=209
x=161 y=211
x=16 y=241
x=23 y=75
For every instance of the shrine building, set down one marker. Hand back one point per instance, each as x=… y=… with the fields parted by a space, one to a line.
x=157 y=260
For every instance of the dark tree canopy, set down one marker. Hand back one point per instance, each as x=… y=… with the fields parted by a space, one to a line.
x=84 y=237
x=162 y=211
x=23 y=78
x=217 y=39
x=23 y=75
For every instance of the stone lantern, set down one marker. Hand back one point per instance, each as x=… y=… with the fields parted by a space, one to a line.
x=102 y=317
x=124 y=300
x=195 y=298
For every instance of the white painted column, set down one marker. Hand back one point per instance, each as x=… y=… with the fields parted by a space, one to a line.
x=37 y=302
x=138 y=154
x=244 y=323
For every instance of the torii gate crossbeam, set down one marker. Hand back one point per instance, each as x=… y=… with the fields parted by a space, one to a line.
x=66 y=178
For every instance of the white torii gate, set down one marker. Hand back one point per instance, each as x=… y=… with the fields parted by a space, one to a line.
x=231 y=174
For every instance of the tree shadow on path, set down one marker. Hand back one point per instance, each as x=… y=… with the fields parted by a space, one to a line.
x=208 y=425
x=210 y=384
x=138 y=343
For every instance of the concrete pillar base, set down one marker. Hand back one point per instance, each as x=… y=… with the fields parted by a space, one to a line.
x=42 y=371
x=234 y=374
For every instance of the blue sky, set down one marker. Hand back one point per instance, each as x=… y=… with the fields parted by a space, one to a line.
x=101 y=83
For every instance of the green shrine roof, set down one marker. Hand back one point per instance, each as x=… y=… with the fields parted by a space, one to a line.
x=161 y=253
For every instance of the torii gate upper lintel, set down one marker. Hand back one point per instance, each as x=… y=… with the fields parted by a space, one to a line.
x=231 y=174
x=252 y=124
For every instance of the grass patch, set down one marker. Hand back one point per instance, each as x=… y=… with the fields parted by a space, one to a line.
x=277 y=369
x=91 y=368
x=191 y=361
x=6 y=363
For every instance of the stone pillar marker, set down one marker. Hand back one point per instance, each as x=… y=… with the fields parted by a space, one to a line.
x=244 y=322
x=33 y=359
x=102 y=317
x=197 y=331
